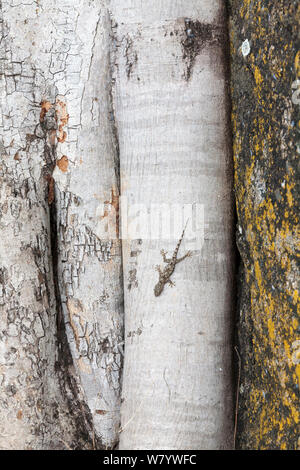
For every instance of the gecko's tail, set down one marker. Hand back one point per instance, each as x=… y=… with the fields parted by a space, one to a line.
x=184 y=230
x=185 y=226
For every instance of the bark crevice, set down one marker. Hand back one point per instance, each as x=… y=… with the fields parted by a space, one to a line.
x=64 y=366
x=85 y=436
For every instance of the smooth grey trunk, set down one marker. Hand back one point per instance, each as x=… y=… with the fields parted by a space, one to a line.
x=172 y=118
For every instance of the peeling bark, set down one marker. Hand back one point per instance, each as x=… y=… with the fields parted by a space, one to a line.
x=87 y=195
x=61 y=296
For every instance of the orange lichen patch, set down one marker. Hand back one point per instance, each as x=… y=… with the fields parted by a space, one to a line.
x=258 y=77
x=52 y=137
x=62 y=135
x=74 y=308
x=62 y=118
x=63 y=163
x=20 y=414
x=84 y=366
x=297 y=64
x=17 y=157
x=51 y=193
x=100 y=412
x=79 y=317
x=45 y=105
x=114 y=203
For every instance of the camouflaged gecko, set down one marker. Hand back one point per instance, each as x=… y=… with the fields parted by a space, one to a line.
x=164 y=276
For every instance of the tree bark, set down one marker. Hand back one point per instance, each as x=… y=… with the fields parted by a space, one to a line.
x=89 y=251
x=61 y=294
x=171 y=108
x=265 y=98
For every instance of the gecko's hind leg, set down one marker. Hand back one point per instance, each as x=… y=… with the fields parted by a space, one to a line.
x=172 y=284
x=158 y=269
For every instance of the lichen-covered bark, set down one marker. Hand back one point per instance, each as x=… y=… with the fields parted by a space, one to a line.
x=60 y=288
x=265 y=67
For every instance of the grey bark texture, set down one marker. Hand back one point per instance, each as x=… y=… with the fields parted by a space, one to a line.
x=171 y=108
x=61 y=292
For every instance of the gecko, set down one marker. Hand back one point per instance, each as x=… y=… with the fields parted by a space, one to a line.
x=166 y=273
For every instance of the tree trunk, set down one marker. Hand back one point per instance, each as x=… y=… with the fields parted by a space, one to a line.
x=59 y=189
x=265 y=98
x=69 y=110
x=89 y=251
x=172 y=120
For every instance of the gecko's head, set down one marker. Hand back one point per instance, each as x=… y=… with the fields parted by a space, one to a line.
x=158 y=289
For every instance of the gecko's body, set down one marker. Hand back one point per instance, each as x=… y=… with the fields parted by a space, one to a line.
x=166 y=273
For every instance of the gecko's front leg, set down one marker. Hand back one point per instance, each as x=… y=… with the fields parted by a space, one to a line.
x=163 y=254
x=183 y=257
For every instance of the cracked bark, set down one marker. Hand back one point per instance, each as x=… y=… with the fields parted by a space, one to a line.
x=61 y=298
x=61 y=302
